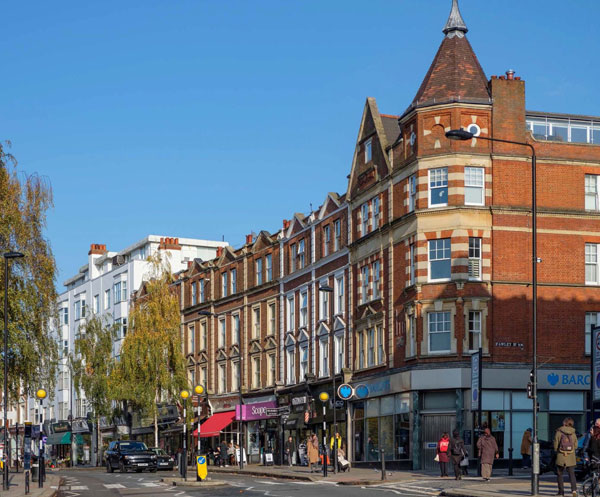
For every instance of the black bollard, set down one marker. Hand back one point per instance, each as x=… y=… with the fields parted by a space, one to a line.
x=510 y=461
x=383 y=476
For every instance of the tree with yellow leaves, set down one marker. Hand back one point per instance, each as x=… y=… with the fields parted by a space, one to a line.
x=152 y=366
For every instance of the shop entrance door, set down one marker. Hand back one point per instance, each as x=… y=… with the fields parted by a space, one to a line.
x=433 y=425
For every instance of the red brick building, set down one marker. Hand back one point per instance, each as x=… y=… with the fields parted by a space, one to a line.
x=440 y=255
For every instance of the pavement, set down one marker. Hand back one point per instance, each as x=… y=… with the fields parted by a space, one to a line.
x=428 y=483
x=17 y=486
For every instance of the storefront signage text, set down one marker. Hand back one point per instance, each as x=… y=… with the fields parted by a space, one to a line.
x=299 y=401
x=250 y=412
x=568 y=379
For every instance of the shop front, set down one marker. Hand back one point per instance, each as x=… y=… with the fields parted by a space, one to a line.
x=81 y=428
x=220 y=426
x=142 y=428
x=262 y=430
x=381 y=420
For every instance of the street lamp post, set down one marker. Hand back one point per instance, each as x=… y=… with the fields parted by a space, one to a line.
x=184 y=395
x=463 y=135
x=324 y=397
x=328 y=290
x=7 y=256
x=41 y=395
x=199 y=390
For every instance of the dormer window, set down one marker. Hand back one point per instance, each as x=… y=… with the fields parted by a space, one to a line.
x=368 y=150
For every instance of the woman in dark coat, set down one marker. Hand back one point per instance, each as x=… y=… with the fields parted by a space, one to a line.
x=443 y=449
x=594 y=444
x=457 y=453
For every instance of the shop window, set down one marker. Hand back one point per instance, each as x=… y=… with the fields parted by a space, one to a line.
x=372 y=449
x=387 y=405
x=372 y=410
x=439 y=400
x=566 y=401
x=402 y=436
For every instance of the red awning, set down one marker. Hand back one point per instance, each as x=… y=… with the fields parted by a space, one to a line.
x=213 y=426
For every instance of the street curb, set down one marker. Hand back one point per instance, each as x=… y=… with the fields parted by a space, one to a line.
x=265 y=475
x=52 y=492
x=362 y=482
x=465 y=493
x=177 y=482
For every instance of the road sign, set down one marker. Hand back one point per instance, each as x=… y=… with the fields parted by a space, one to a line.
x=345 y=391
x=44 y=439
x=201 y=467
x=277 y=411
x=595 y=377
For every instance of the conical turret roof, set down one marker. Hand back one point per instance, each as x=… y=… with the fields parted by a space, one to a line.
x=455 y=74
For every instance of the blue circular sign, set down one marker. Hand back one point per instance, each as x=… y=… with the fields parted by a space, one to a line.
x=201 y=460
x=475 y=395
x=362 y=391
x=345 y=391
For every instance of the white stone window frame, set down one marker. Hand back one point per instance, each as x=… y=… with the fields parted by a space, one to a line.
x=592 y=189
x=474 y=259
x=437 y=180
x=476 y=305
x=368 y=150
x=592 y=263
x=438 y=306
x=475 y=179
x=444 y=258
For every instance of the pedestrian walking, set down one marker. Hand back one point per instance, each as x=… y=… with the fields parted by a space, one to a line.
x=224 y=449
x=336 y=441
x=457 y=453
x=443 y=450
x=488 y=451
x=593 y=450
x=565 y=443
x=526 y=448
x=289 y=450
x=312 y=447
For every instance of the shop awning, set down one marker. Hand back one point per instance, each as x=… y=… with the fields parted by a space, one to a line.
x=63 y=439
x=213 y=426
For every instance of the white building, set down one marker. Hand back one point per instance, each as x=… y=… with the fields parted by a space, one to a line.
x=103 y=287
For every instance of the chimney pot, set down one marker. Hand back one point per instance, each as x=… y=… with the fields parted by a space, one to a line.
x=502 y=78
x=510 y=74
x=249 y=239
x=219 y=251
x=517 y=78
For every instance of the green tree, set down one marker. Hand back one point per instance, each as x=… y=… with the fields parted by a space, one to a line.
x=152 y=366
x=24 y=201
x=92 y=362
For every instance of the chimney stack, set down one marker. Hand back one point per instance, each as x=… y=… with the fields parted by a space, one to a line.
x=219 y=251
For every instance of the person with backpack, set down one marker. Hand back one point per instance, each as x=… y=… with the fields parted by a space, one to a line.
x=457 y=452
x=565 y=444
x=443 y=450
x=526 y=442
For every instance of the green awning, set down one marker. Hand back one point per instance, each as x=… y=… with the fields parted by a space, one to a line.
x=63 y=439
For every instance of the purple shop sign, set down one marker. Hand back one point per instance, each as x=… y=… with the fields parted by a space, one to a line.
x=251 y=412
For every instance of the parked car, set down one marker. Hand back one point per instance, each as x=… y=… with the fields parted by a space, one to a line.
x=164 y=460
x=128 y=454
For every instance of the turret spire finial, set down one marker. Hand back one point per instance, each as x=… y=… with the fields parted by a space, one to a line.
x=456 y=25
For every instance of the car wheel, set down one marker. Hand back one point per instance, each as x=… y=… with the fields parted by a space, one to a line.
x=109 y=468
x=122 y=467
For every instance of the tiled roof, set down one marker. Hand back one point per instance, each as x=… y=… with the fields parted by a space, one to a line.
x=455 y=75
x=391 y=128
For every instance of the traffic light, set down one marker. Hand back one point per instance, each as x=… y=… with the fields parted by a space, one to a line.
x=530 y=390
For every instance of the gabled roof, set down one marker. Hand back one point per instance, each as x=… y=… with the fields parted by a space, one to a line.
x=455 y=74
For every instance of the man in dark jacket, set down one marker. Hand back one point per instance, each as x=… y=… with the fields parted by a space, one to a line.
x=289 y=450
x=224 y=448
x=457 y=453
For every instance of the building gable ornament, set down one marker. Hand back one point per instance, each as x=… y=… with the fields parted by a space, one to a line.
x=455 y=26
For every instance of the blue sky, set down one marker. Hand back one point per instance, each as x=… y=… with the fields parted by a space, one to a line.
x=216 y=118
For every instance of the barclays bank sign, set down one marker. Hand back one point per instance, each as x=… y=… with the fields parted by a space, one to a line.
x=564 y=380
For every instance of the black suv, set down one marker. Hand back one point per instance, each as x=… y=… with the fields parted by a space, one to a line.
x=128 y=454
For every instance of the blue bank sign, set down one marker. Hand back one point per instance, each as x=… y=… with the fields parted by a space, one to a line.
x=564 y=380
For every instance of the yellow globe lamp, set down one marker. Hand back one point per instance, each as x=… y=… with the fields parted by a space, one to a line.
x=41 y=394
x=199 y=389
x=184 y=394
x=323 y=397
